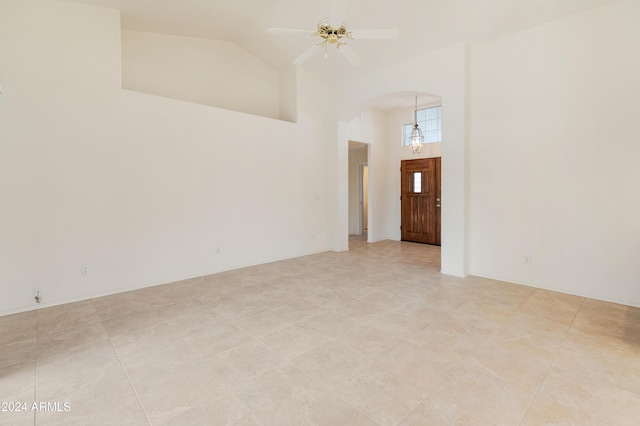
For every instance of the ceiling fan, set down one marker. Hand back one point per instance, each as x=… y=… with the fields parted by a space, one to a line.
x=333 y=31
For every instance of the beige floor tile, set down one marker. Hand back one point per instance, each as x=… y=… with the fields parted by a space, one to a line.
x=299 y=310
x=329 y=410
x=544 y=411
x=293 y=340
x=473 y=324
x=404 y=326
x=192 y=383
x=361 y=311
x=138 y=342
x=17 y=385
x=446 y=297
x=329 y=299
x=416 y=364
x=331 y=364
x=92 y=383
x=17 y=352
x=369 y=391
x=116 y=306
x=484 y=395
x=448 y=341
x=234 y=310
x=422 y=310
x=369 y=342
x=570 y=398
x=534 y=324
x=129 y=322
x=408 y=290
x=169 y=310
x=611 y=310
x=18 y=327
x=107 y=399
x=408 y=344
x=559 y=307
x=514 y=366
x=263 y=323
x=211 y=341
x=63 y=342
x=198 y=322
x=282 y=396
x=59 y=373
x=601 y=360
x=497 y=312
x=505 y=293
x=358 y=288
x=435 y=412
x=21 y=417
x=244 y=362
x=62 y=318
x=226 y=409
x=386 y=299
x=530 y=343
x=330 y=324
x=600 y=326
x=79 y=368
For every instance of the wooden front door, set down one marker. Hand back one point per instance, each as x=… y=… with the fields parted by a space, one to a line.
x=420 y=200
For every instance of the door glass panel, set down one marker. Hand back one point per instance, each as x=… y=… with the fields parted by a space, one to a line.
x=417 y=182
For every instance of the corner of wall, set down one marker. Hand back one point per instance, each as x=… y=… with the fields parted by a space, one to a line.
x=289 y=94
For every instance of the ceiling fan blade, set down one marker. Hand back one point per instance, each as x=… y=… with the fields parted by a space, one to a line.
x=351 y=55
x=381 y=33
x=288 y=31
x=337 y=12
x=306 y=54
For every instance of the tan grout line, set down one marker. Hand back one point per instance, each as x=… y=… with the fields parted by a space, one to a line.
x=288 y=361
x=124 y=369
x=524 y=414
x=577 y=312
x=213 y=370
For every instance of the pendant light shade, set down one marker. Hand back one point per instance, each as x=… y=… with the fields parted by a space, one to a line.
x=416 y=139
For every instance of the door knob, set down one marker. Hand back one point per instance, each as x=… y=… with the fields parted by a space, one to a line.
x=437 y=205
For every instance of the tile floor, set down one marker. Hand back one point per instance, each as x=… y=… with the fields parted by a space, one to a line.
x=365 y=337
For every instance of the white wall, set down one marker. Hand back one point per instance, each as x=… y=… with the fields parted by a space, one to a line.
x=396 y=152
x=554 y=152
x=210 y=72
x=141 y=189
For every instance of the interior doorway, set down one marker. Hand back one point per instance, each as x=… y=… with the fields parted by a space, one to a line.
x=359 y=218
x=364 y=197
x=420 y=200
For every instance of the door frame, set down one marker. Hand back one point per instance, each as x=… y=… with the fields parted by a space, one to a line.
x=362 y=194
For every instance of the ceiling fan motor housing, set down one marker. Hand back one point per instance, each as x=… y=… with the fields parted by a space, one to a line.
x=332 y=35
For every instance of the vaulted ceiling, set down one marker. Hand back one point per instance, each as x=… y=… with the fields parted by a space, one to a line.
x=425 y=25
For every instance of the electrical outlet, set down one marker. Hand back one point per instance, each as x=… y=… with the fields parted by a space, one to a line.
x=217 y=250
x=84 y=270
x=527 y=260
x=37 y=294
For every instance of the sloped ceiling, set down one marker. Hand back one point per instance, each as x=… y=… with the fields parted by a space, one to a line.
x=425 y=25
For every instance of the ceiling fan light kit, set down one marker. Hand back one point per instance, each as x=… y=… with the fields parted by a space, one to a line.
x=333 y=31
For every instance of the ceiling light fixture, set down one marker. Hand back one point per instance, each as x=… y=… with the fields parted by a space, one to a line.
x=333 y=31
x=416 y=140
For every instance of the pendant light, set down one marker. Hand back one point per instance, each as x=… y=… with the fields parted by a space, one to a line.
x=416 y=140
